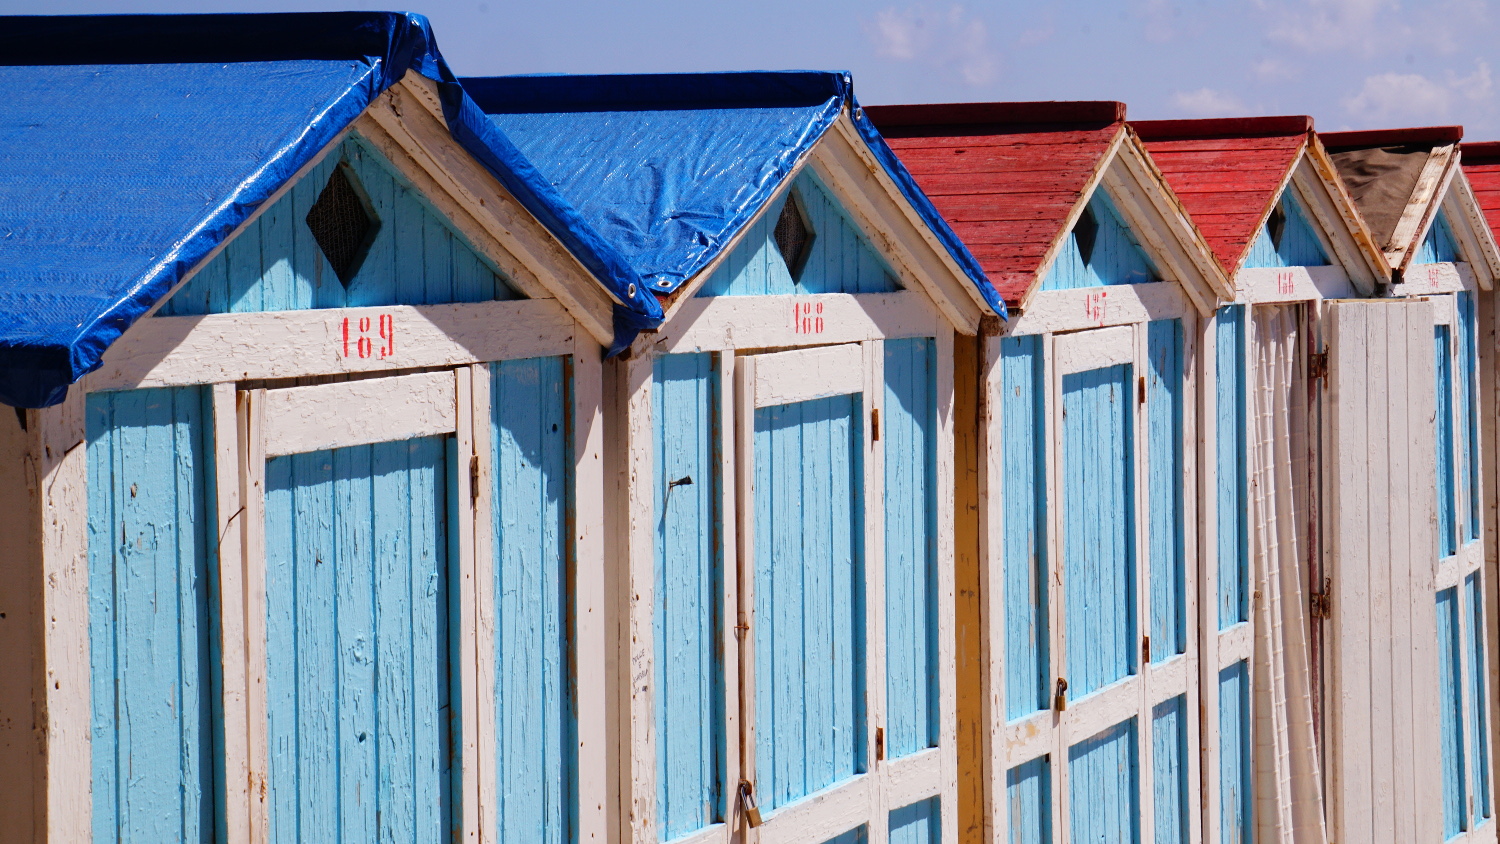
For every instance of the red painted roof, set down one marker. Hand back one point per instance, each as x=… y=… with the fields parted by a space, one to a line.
x=1365 y=139
x=1004 y=175
x=1481 y=163
x=1226 y=172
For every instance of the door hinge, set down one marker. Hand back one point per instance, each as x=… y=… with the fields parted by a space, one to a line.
x=879 y=743
x=1140 y=395
x=747 y=802
x=1317 y=366
x=474 y=480
x=875 y=424
x=1060 y=700
x=1145 y=649
x=1321 y=603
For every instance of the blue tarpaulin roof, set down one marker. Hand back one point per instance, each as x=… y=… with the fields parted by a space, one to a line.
x=670 y=167
x=131 y=146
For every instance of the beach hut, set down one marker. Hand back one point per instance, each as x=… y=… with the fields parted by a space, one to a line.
x=1079 y=592
x=782 y=454
x=300 y=484
x=1266 y=196
x=1423 y=213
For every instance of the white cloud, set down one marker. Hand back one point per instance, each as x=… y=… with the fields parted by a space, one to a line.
x=951 y=39
x=1206 y=102
x=1274 y=69
x=1321 y=25
x=1389 y=98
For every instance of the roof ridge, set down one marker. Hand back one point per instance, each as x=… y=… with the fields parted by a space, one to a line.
x=1050 y=112
x=1391 y=137
x=1480 y=152
x=1222 y=127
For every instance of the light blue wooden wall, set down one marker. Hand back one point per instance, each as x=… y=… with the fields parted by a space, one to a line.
x=909 y=433
x=1478 y=702
x=1446 y=494
x=1028 y=794
x=150 y=471
x=1169 y=771
x=1024 y=497
x=809 y=597
x=1117 y=256
x=1468 y=412
x=919 y=823
x=1104 y=788
x=689 y=689
x=1236 y=818
x=1451 y=705
x=535 y=746
x=841 y=261
x=1165 y=539
x=1300 y=246
x=858 y=835
x=357 y=666
x=1230 y=465
x=417 y=258
x=1098 y=528
x=1438 y=246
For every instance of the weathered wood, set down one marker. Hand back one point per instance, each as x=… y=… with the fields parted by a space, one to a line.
x=303 y=419
x=805 y=375
x=729 y=322
x=971 y=409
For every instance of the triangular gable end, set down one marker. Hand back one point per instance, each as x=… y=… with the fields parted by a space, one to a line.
x=1099 y=250
x=1457 y=232
x=414 y=254
x=802 y=243
x=1438 y=245
x=1287 y=238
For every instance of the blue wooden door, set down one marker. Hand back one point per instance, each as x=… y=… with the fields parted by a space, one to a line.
x=357 y=665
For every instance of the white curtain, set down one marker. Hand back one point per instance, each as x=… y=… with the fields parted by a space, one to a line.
x=1288 y=783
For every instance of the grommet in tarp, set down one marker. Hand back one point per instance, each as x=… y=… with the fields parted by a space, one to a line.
x=859 y=114
x=664 y=283
x=630 y=290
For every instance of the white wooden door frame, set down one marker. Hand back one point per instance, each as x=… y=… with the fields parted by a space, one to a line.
x=1051 y=733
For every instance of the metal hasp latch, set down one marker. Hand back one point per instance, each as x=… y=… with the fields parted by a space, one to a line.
x=1060 y=702
x=747 y=802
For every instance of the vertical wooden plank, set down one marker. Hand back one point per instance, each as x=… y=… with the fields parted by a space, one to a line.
x=1389 y=557
x=244 y=269
x=972 y=652
x=872 y=697
x=1167 y=524
x=1028 y=793
x=1235 y=801
x=250 y=409
x=1233 y=537
x=1023 y=496
x=1099 y=519
x=1105 y=784
x=591 y=635
x=1169 y=780
x=638 y=533
x=1447 y=506
x=149 y=622
x=229 y=527
x=1395 y=662
x=1450 y=697
x=23 y=779
x=733 y=623
x=1477 y=701
x=947 y=592
x=689 y=680
x=534 y=726
x=475 y=596
x=1205 y=571
x=909 y=434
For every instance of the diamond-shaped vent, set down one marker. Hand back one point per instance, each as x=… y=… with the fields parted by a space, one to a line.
x=1086 y=232
x=1276 y=224
x=343 y=224
x=793 y=235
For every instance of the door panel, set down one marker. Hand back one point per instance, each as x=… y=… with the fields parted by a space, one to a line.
x=1104 y=787
x=356 y=543
x=1098 y=528
x=809 y=648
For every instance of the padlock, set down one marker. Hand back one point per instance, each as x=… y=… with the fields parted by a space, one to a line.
x=1060 y=702
x=747 y=802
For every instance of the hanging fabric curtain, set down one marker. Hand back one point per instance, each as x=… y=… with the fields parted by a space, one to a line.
x=1288 y=779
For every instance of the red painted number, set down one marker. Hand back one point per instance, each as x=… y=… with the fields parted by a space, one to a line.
x=1433 y=278
x=1284 y=283
x=1094 y=307
x=359 y=343
x=807 y=317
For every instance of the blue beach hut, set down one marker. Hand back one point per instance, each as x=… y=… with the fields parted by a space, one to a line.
x=302 y=492
x=781 y=454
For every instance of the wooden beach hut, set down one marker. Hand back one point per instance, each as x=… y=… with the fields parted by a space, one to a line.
x=1079 y=590
x=1426 y=218
x=1266 y=196
x=301 y=482
x=781 y=451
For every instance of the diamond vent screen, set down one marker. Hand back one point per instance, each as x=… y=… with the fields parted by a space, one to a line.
x=342 y=224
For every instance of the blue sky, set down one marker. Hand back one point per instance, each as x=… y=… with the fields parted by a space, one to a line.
x=1349 y=63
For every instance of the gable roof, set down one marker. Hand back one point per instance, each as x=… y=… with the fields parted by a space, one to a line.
x=672 y=167
x=1394 y=175
x=1012 y=177
x=132 y=146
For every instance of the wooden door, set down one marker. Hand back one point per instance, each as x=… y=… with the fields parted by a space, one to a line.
x=1101 y=689
x=355 y=486
x=1382 y=716
x=841 y=670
